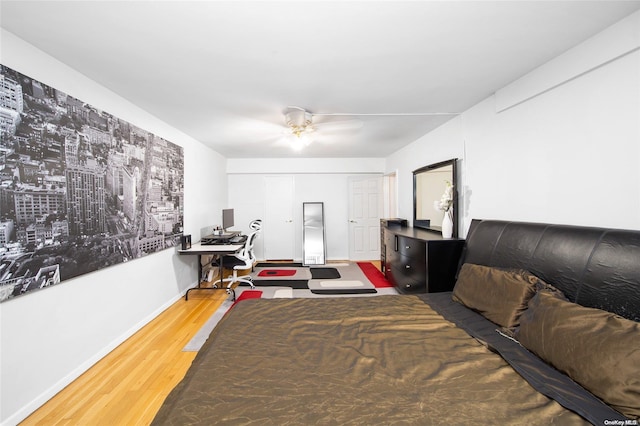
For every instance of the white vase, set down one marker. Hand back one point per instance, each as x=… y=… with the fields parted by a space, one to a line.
x=447 y=225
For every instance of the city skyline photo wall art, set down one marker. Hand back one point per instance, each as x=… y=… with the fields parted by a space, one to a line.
x=80 y=189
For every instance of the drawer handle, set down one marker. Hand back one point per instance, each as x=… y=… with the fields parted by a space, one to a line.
x=407 y=247
x=407 y=266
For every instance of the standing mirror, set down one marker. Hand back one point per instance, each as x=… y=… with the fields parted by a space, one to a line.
x=430 y=196
x=313 y=244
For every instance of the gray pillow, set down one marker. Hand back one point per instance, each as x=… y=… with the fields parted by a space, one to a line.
x=500 y=295
x=597 y=349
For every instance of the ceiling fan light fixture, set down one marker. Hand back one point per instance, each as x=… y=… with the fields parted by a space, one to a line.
x=298 y=118
x=299 y=122
x=299 y=140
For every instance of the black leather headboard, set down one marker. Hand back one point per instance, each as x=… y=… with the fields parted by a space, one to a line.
x=594 y=267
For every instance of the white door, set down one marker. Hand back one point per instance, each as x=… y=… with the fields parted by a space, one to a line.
x=390 y=204
x=277 y=229
x=365 y=208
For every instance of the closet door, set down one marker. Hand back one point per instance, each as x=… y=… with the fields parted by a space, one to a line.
x=277 y=229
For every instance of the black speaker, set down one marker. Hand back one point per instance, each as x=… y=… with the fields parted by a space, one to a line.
x=393 y=222
x=185 y=240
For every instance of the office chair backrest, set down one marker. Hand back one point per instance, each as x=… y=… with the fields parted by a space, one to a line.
x=247 y=250
x=248 y=247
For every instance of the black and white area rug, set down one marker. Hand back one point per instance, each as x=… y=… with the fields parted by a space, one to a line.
x=333 y=278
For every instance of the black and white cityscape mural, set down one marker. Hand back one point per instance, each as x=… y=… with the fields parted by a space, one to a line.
x=80 y=189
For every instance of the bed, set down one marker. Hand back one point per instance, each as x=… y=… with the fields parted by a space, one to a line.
x=541 y=328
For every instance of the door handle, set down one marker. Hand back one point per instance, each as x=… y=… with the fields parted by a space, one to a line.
x=353 y=221
x=289 y=221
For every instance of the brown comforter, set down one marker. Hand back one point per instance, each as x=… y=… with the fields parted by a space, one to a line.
x=338 y=361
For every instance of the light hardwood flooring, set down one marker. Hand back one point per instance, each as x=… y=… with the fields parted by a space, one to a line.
x=128 y=386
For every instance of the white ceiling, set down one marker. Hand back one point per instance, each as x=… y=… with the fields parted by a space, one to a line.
x=223 y=72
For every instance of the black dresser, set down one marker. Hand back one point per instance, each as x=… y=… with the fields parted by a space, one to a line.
x=418 y=261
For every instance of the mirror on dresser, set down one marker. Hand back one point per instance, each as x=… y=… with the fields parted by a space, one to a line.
x=430 y=195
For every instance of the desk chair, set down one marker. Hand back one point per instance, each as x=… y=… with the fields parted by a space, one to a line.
x=244 y=259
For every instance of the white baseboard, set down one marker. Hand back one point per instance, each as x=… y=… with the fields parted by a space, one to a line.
x=45 y=396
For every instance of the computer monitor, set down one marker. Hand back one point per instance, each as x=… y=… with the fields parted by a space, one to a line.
x=227 y=219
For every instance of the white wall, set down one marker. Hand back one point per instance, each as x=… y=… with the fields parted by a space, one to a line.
x=50 y=337
x=559 y=145
x=317 y=180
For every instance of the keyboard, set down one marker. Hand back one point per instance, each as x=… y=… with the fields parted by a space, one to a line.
x=231 y=238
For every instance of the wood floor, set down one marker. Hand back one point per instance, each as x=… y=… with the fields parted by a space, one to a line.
x=128 y=386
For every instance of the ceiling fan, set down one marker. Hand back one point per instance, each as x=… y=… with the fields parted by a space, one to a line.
x=300 y=124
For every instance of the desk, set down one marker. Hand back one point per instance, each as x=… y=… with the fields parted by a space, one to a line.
x=217 y=250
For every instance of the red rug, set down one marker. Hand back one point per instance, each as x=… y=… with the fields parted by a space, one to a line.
x=277 y=273
x=374 y=275
x=247 y=294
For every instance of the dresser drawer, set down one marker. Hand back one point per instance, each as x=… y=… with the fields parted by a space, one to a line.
x=390 y=241
x=408 y=267
x=412 y=248
x=406 y=280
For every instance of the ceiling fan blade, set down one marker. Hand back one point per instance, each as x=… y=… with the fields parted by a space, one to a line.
x=249 y=128
x=339 y=126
